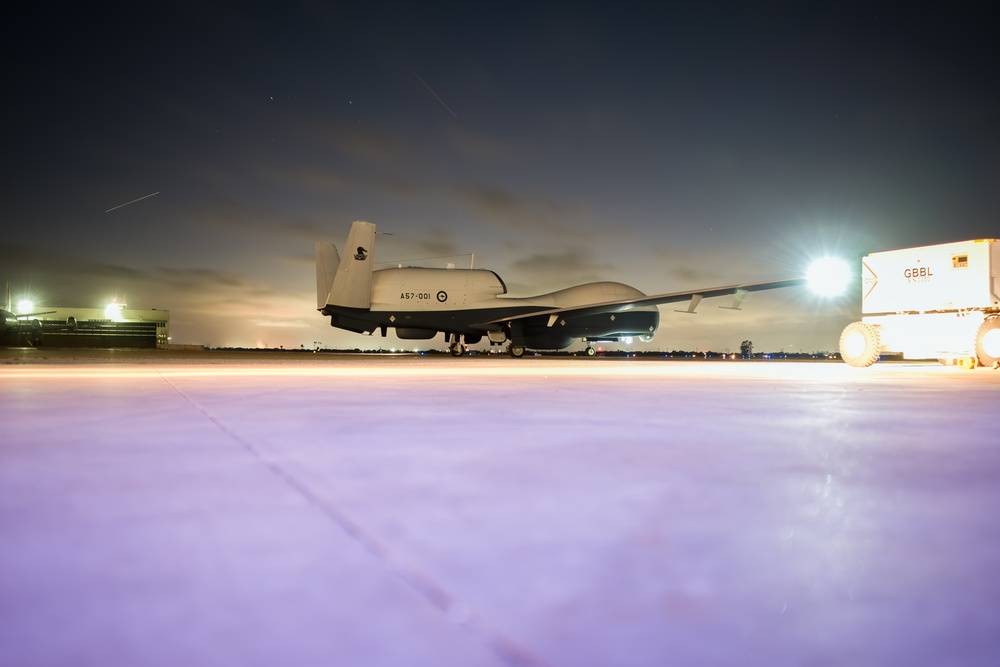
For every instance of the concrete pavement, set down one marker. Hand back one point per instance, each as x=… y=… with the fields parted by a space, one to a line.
x=329 y=510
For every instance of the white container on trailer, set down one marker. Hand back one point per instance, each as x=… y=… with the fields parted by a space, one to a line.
x=939 y=301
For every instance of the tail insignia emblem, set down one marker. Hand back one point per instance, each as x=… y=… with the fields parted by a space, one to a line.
x=361 y=253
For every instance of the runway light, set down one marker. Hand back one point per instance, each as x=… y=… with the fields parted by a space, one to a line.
x=828 y=276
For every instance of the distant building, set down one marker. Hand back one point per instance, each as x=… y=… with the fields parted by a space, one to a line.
x=114 y=326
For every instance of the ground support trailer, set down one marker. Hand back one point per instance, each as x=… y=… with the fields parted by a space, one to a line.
x=932 y=302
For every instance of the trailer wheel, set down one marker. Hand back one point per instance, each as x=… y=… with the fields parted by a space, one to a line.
x=988 y=341
x=860 y=344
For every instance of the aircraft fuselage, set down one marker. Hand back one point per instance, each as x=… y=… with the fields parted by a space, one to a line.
x=421 y=302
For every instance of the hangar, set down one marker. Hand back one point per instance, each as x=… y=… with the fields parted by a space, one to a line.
x=113 y=326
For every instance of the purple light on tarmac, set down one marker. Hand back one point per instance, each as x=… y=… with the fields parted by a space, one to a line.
x=486 y=511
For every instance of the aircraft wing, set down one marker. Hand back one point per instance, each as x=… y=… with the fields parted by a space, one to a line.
x=738 y=292
x=26 y=316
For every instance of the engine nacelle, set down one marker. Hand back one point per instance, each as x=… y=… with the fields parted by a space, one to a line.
x=411 y=333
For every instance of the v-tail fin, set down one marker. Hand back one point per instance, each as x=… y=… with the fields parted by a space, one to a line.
x=327 y=262
x=352 y=278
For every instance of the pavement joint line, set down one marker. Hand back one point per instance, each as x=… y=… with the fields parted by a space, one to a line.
x=454 y=611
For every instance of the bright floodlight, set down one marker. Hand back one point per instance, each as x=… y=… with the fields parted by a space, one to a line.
x=113 y=311
x=829 y=276
x=25 y=306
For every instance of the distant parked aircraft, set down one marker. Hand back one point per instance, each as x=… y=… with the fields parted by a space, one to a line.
x=16 y=329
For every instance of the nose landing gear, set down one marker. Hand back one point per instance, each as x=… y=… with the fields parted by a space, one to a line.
x=455 y=346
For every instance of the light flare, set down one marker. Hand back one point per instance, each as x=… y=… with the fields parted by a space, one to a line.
x=829 y=276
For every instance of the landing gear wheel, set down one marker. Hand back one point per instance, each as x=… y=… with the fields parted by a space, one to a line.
x=590 y=351
x=516 y=351
x=988 y=341
x=454 y=344
x=860 y=344
x=35 y=340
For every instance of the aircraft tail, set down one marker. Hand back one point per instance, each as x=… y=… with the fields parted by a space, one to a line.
x=327 y=262
x=352 y=277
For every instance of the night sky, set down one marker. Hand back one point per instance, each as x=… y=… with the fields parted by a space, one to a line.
x=668 y=148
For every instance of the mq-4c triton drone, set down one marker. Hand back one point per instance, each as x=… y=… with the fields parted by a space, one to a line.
x=467 y=304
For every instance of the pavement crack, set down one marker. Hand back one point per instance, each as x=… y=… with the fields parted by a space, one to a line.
x=455 y=611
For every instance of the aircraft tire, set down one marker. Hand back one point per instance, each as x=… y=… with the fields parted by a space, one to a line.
x=35 y=338
x=456 y=350
x=591 y=351
x=860 y=344
x=516 y=351
x=988 y=341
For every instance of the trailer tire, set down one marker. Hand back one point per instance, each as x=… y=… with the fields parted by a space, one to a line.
x=988 y=341
x=860 y=344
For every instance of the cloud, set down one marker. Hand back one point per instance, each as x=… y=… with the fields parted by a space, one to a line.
x=690 y=274
x=209 y=279
x=563 y=269
x=438 y=243
x=381 y=147
x=305 y=261
x=205 y=293
x=323 y=179
x=52 y=277
x=433 y=248
x=302 y=228
x=281 y=323
x=481 y=147
x=503 y=208
x=399 y=187
x=240 y=222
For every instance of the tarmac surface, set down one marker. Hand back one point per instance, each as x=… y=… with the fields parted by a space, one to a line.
x=160 y=508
